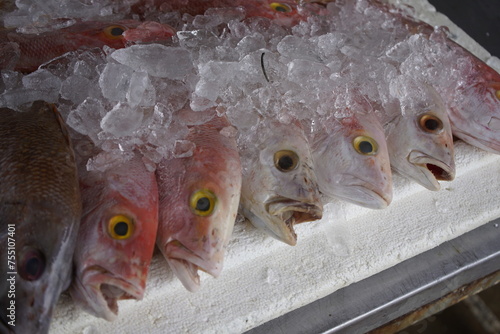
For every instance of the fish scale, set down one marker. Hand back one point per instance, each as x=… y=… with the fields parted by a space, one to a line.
x=39 y=194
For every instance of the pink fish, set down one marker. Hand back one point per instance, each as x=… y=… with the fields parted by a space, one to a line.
x=25 y=52
x=284 y=12
x=199 y=197
x=117 y=235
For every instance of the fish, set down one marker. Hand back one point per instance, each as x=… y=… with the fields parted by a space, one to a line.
x=279 y=186
x=419 y=136
x=26 y=52
x=351 y=160
x=285 y=12
x=199 y=197
x=117 y=234
x=40 y=211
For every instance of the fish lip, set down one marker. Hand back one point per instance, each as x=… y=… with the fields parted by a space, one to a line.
x=291 y=212
x=185 y=264
x=367 y=196
x=432 y=170
x=105 y=286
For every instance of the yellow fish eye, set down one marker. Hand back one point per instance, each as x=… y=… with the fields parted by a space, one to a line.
x=430 y=123
x=202 y=202
x=286 y=160
x=497 y=94
x=120 y=227
x=114 y=31
x=280 y=7
x=365 y=145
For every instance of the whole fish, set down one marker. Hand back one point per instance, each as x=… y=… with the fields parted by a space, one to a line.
x=351 y=160
x=279 y=185
x=39 y=216
x=25 y=52
x=199 y=196
x=116 y=237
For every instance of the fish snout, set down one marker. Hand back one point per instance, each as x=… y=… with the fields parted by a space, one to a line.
x=295 y=211
x=98 y=290
x=185 y=263
x=373 y=192
x=431 y=170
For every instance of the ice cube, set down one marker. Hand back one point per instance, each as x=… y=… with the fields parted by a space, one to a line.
x=86 y=118
x=115 y=81
x=157 y=60
x=76 y=89
x=122 y=120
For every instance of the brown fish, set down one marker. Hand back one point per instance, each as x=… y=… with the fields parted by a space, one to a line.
x=40 y=212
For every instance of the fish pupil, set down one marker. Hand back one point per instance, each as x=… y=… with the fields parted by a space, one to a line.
x=117 y=31
x=203 y=204
x=365 y=147
x=281 y=9
x=285 y=162
x=432 y=124
x=121 y=229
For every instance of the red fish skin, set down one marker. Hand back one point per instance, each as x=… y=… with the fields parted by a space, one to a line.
x=285 y=12
x=35 y=49
x=101 y=260
x=215 y=167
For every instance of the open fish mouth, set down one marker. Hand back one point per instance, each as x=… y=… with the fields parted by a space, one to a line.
x=432 y=170
x=105 y=289
x=185 y=264
x=291 y=212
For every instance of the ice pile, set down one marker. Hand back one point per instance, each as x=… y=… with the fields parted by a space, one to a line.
x=144 y=97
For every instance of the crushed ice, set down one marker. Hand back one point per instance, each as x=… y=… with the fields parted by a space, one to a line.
x=145 y=97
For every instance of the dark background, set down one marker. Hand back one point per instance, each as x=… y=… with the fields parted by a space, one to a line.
x=480 y=19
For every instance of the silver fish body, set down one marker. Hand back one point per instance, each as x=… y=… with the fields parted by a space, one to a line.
x=40 y=212
x=279 y=186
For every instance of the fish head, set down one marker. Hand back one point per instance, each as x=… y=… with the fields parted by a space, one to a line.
x=420 y=140
x=199 y=197
x=117 y=34
x=283 y=12
x=38 y=270
x=279 y=185
x=116 y=238
x=475 y=114
x=352 y=161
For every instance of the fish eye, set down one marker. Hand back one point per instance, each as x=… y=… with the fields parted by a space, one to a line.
x=31 y=264
x=120 y=227
x=114 y=31
x=365 y=145
x=430 y=123
x=202 y=202
x=280 y=7
x=497 y=94
x=286 y=160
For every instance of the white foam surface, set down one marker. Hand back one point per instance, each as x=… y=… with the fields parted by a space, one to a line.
x=264 y=278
